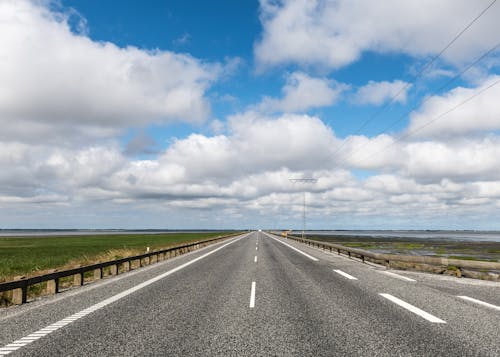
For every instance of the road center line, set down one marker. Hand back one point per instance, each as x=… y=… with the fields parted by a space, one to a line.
x=413 y=309
x=256 y=248
x=255 y=260
x=345 y=275
x=11 y=347
x=397 y=276
x=292 y=247
x=487 y=304
x=252 y=296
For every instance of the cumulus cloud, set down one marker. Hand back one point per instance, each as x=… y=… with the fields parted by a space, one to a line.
x=479 y=114
x=336 y=33
x=55 y=82
x=380 y=92
x=302 y=92
x=246 y=171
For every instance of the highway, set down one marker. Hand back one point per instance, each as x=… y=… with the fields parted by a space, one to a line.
x=258 y=295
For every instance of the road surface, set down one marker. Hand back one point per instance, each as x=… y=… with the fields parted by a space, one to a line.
x=258 y=295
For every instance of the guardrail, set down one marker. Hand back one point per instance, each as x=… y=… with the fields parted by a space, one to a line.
x=388 y=258
x=19 y=286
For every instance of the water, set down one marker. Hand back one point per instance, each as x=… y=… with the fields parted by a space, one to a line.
x=464 y=236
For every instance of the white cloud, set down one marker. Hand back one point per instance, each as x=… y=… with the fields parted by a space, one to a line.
x=302 y=92
x=335 y=33
x=58 y=83
x=246 y=171
x=482 y=113
x=380 y=92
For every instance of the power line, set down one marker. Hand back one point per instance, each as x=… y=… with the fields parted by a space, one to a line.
x=416 y=130
x=436 y=91
x=417 y=76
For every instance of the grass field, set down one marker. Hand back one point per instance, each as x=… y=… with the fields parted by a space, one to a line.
x=32 y=255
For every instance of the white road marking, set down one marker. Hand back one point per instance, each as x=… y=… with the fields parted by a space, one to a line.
x=413 y=309
x=252 y=296
x=292 y=247
x=14 y=346
x=345 y=275
x=480 y=302
x=398 y=276
x=256 y=248
x=255 y=260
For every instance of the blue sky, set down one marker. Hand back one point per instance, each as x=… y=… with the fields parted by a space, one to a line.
x=194 y=114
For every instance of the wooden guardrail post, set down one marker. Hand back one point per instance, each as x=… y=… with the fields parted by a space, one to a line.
x=113 y=269
x=78 y=279
x=98 y=274
x=53 y=285
x=126 y=265
x=20 y=295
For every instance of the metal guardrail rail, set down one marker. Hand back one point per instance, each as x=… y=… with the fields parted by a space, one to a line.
x=19 y=287
x=388 y=258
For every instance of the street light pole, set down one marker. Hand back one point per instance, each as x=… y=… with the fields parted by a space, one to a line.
x=303 y=180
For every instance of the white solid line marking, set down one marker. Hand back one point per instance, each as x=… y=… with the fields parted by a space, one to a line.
x=48 y=329
x=255 y=260
x=398 y=276
x=480 y=302
x=252 y=295
x=350 y=277
x=292 y=247
x=413 y=309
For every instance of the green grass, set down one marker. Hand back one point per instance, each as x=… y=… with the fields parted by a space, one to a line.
x=26 y=256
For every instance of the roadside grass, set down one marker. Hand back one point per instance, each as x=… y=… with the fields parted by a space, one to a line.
x=28 y=256
x=485 y=251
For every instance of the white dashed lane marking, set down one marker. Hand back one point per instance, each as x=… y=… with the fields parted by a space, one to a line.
x=487 y=304
x=413 y=309
x=345 y=275
x=252 y=295
x=397 y=276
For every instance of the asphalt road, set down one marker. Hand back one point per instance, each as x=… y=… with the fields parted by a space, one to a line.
x=255 y=296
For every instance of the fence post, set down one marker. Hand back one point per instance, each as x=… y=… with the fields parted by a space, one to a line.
x=126 y=265
x=78 y=279
x=98 y=274
x=113 y=269
x=20 y=295
x=53 y=285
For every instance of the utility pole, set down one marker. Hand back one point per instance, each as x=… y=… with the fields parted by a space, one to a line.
x=303 y=180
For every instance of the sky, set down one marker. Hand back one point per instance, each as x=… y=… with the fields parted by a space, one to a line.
x=196 y=114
